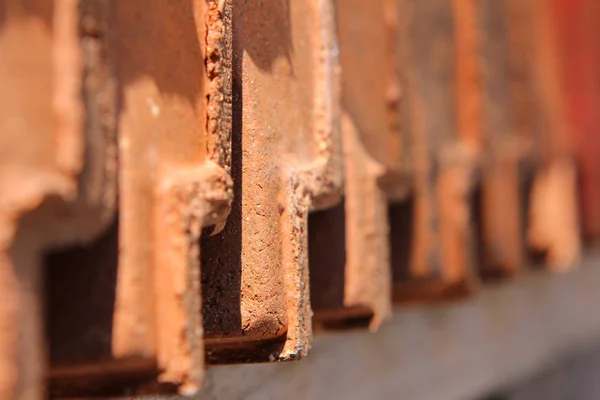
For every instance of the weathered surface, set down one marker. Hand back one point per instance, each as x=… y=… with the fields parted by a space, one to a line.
x=285 y=163
x=445 y=148
x=553 y=220
x=235 y=169
x=356 y=285
x=173 y=177
x=24 y=115
x=43 y=202
x=520 y=34
x=578 y=38
x=63 y=90
x=502 y=182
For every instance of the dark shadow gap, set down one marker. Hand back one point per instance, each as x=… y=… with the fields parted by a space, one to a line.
x=401 y=221
x=80 y=297
x=327 y=265
x=327 y=258
x=221 y=254
x=406 y=288
x=486 y=266
x=526 y=187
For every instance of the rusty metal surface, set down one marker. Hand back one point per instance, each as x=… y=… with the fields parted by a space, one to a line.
x=502 y=175
x=170 y=185
x=444 y=150
x=173 y=173
x=553 y=225
x=354 y=283
x=174 y=163
x=202 y=181
x=286 y=155
x=48 y=182
x=35 y=114
x=577 y=40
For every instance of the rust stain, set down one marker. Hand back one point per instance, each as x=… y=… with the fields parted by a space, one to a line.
x=205 y=181
x=286 y=157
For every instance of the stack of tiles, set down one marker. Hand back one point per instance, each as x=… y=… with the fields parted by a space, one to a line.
x=200 y=182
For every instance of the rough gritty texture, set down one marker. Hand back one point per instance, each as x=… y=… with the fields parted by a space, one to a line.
x=219 y=53
x=372 y=145
x=173 y=178
x=285 y=155
x=218 y=124
x=173 y=120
